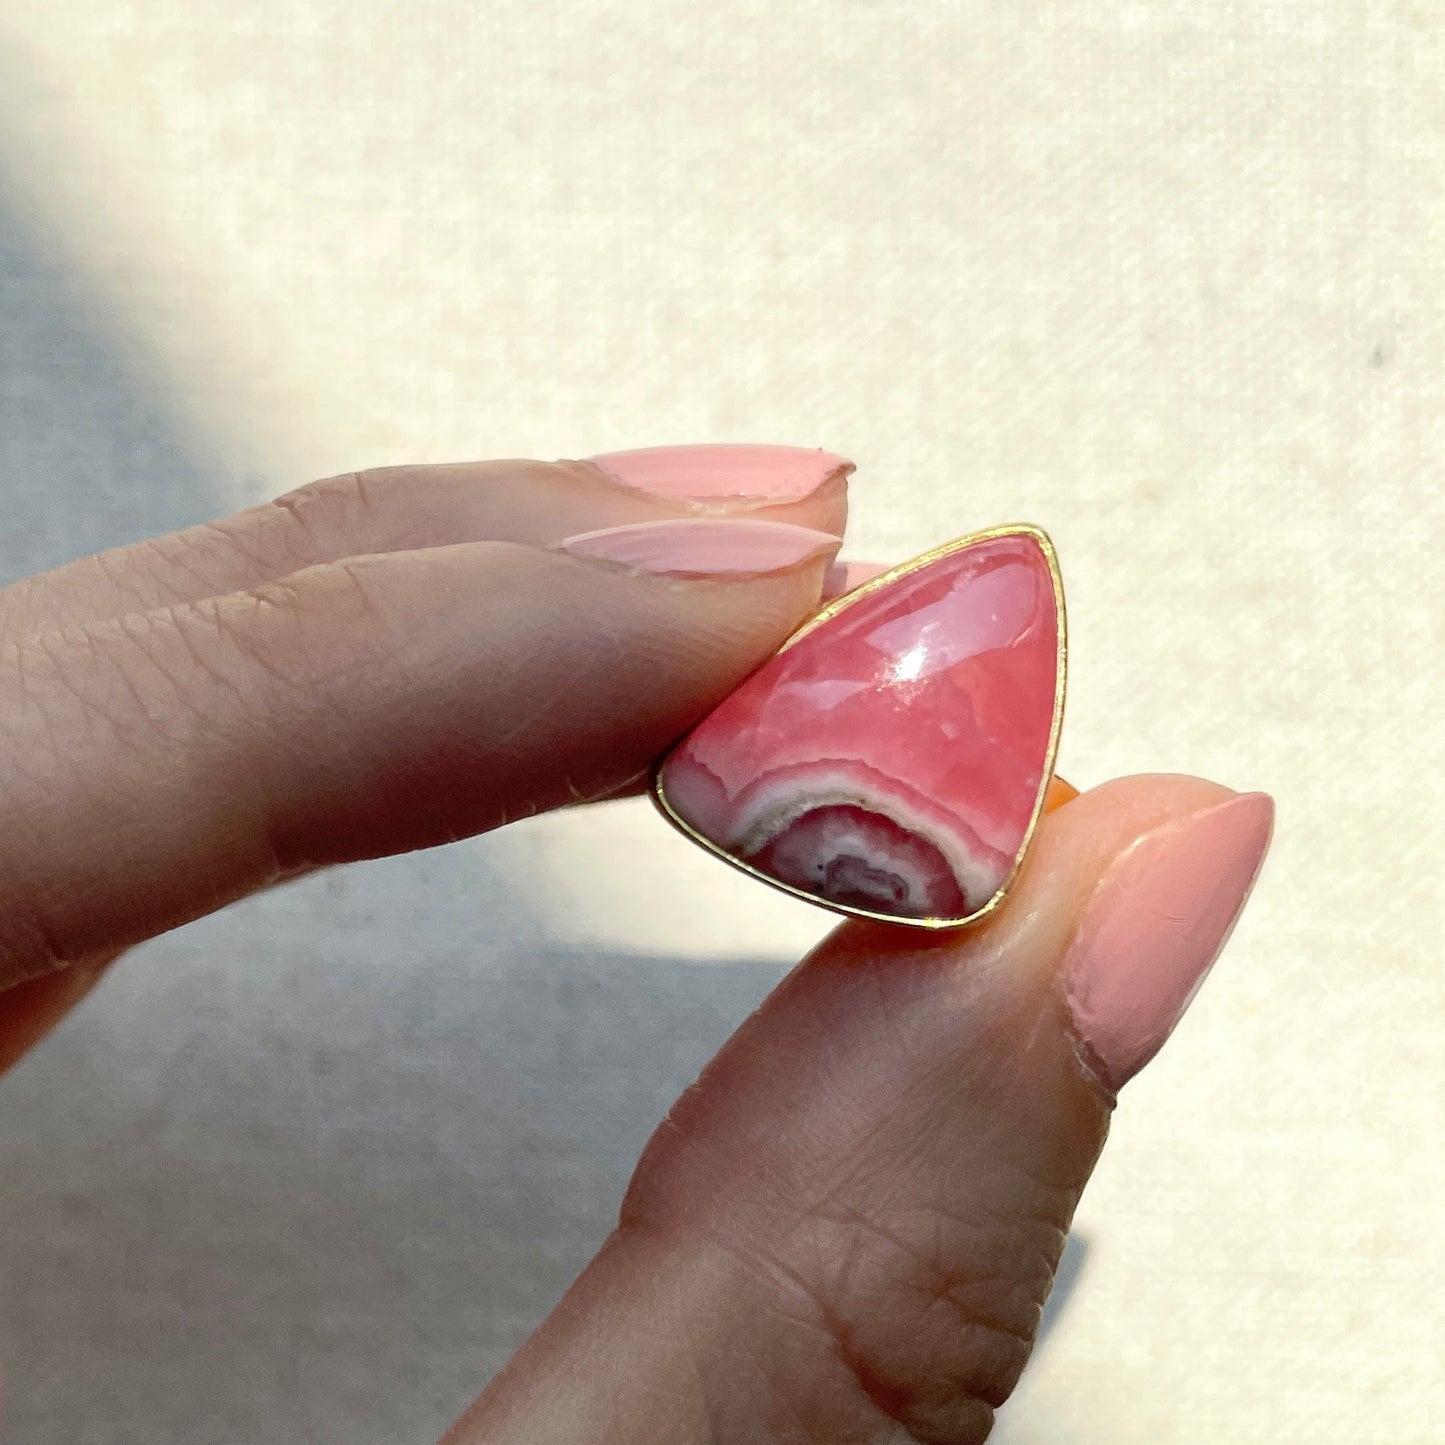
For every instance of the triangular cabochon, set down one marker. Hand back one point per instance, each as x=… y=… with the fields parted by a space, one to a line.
x=892 y=759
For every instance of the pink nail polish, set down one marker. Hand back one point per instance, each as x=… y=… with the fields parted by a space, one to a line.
x=705 y=547
x=1153 y=928
x=843 y=577
x=726 y=471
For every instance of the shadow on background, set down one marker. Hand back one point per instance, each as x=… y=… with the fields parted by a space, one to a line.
x=288 y=1171
x=329 y=1207
x=87 y=458
x=312 y=1168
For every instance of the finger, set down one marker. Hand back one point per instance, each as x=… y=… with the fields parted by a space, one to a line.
x=157 y=766
x=844 y=575
x=847 y=1228
x=31 y=1010
x=393 y=509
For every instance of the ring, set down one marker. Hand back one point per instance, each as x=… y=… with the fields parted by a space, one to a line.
x=892 y=759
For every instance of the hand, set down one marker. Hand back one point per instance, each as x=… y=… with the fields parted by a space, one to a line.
x=847 y=1228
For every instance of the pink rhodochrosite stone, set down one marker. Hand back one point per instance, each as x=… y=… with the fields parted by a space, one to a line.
x=891 y=760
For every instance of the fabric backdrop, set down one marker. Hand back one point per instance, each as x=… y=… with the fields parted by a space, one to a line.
x=1166 y=278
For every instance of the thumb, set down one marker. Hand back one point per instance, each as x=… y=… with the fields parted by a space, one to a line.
x=847 y=1228
x=159 y=765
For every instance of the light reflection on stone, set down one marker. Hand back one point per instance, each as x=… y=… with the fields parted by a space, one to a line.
x=892 y=759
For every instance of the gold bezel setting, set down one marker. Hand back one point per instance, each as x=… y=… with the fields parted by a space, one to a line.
x=826 y=614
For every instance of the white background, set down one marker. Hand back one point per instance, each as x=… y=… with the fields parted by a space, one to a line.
x=1165 y=278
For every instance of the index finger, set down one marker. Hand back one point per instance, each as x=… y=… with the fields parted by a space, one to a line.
x=160 y=765
x=395 y=509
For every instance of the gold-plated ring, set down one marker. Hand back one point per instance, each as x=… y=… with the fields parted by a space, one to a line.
x=892 y=759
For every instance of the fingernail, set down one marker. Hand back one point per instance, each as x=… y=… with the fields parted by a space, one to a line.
x=843 y=577
x=705 y=547
x=725 y=472
x=1153 y=928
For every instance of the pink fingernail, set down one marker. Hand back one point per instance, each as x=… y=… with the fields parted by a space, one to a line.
x=1155 y=925
x=705 y=547
x=843 y=577
x=726 y=471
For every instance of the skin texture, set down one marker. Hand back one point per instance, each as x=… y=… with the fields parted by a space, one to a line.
x=1173 y=900
x=166 y=759
x=385 y=509
x=845 y=1231
x=848 y=1227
